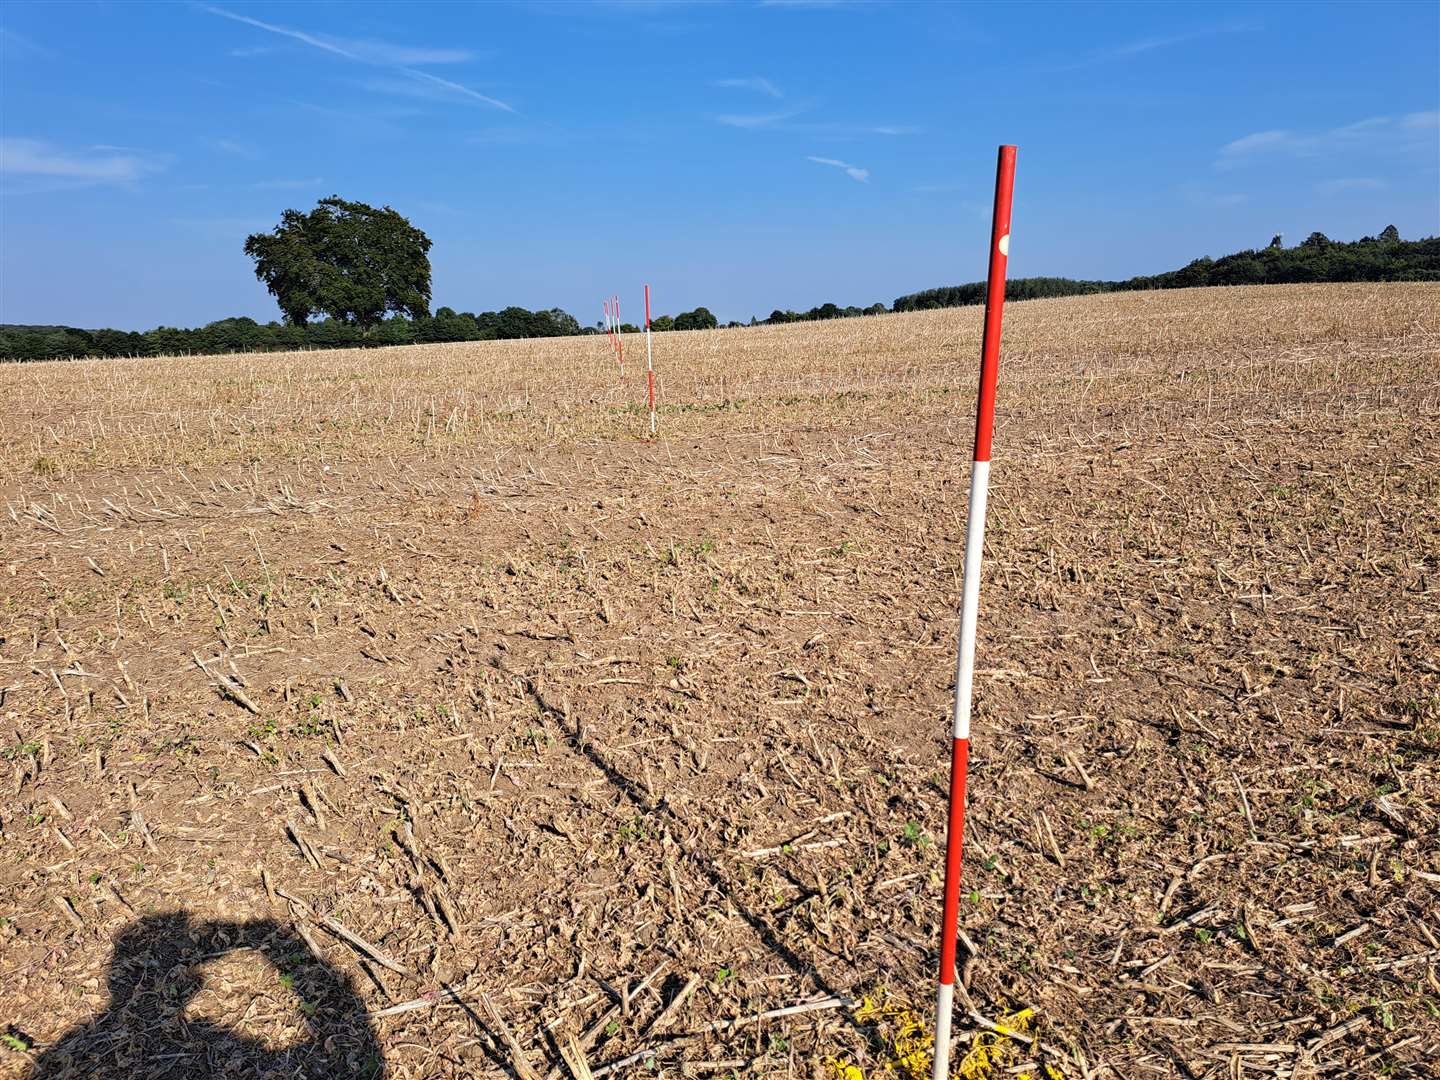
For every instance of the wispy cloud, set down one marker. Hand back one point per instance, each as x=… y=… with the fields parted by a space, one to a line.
x=1127 y=50
x=755 y=82
x=852 y=171
x=785 y=120
x=235 y=148
x=97 y=165
x=1373 y=134
x=401 y=58
x=1150 y=44
x=758 y=120
x=298 y=35
x=15 y=44
x=1260 y=140
x=221 y=228
x=1204 y=195
x=456 y=88
x=288 y=185
x=1350 y=183
x=886 y=129
x=436 y=206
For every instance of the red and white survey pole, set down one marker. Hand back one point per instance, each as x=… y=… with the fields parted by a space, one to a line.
x=612 y=330
x=619 y=340
x=970 y=602
x=649 y=362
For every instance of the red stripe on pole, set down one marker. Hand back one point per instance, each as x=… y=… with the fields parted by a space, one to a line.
x=647 y=307
x=959 y=768
x=994 y=301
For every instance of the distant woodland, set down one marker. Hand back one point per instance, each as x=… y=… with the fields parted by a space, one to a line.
x=1385 y=257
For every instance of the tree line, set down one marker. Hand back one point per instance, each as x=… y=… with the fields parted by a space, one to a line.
x=1317 y=258
x=349 y=275
x=243 y=334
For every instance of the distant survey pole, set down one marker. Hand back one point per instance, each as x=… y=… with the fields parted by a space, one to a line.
x=970 y=602
x=649 y=363
x=619 y=339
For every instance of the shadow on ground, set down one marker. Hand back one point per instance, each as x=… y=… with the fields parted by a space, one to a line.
x=155 y=973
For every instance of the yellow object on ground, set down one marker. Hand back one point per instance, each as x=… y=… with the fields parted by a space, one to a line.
x=908 y=1044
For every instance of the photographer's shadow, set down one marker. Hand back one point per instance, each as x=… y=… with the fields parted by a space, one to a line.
x=145 y=1031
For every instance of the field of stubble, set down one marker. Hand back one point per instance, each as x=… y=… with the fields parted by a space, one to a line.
x=407 y=713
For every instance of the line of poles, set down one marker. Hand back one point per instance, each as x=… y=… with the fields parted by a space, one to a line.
x=613 y=330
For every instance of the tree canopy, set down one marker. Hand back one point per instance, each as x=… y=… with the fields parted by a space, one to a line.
x=699 y=319
x=346 y=260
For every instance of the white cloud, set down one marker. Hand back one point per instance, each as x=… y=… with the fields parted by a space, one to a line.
x=456 y=88
x=236 y=147
x=19 y=44
x=1140 y=46
x=1375 y=134
x=399 y=58
x=35 y=157
x=223 y=227
x=756 y=83
x=383 y=53
x=1350 y=183
x=1261 y=140
x=289 y=185
x=761 y=120
x=298 y=35
x=1144 y=45
x=852 y=171
x=783 y=121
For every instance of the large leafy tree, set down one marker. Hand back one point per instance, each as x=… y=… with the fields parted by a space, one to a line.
x=699 y=319
x=346 y=260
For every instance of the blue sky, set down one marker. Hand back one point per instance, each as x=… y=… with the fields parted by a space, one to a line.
x=741 y=156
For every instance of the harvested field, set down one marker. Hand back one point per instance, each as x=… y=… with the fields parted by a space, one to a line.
x=406 y=713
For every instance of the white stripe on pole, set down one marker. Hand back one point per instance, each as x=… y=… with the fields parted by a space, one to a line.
x=970 y=596
x=944 y=1007
x=649 y=363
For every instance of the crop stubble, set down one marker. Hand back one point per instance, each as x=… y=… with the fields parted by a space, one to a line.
x=563 y=745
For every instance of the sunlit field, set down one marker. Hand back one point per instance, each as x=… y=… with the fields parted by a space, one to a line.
x=543 y=748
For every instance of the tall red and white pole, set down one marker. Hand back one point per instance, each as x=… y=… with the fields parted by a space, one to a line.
x=970 y=602
x=649 y=362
